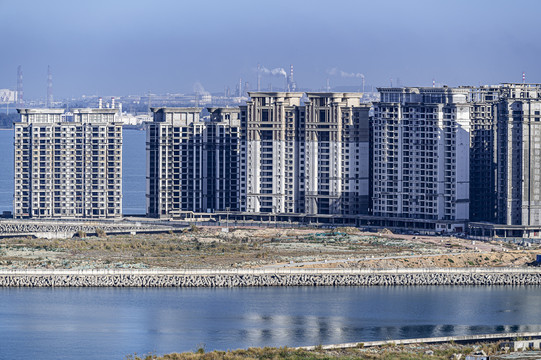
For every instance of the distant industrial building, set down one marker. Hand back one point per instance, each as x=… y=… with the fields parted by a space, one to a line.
x=68 y=168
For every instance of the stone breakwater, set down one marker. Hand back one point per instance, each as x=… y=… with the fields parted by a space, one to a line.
x=280 y=277
x=67 y=229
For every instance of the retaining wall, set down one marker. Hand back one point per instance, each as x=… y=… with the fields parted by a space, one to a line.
x=277 y=277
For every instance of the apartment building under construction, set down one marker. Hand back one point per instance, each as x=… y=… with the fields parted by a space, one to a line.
x=270 y=126
x=421 y=156
x=68 y=169
x=334 y=153
x=192 y=164
x=311 y=158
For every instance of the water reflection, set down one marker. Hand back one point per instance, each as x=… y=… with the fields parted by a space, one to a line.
x=109 y=323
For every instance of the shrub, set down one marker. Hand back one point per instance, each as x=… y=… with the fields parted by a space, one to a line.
x=100 y=232
x=200 y=349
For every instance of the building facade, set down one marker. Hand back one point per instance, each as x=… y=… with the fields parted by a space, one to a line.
x=175 y=169
x=334 y=153
x=310 y=158
x=483 y=161
x=421 y=141
x=271 y=156
x=68 y=169
x=192 y=164
x=223 y=158
x=518 y=158
x=270 y=126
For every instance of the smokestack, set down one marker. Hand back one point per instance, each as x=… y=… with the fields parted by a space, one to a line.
x=113 y=102
x=433 y=82
x=100 y=103
x=258 y=77
x=523 y=77
x=291 y=86
x=20 y=85
x=49 y=87
x=240 y=88
x=362 y=80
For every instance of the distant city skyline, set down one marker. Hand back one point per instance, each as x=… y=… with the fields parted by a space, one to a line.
x=132 y=47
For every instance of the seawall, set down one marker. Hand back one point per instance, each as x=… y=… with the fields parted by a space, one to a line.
x=267 y=277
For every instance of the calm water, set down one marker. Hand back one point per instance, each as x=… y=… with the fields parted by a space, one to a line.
x=133 y=167
x=98 y=323
x=6 y=170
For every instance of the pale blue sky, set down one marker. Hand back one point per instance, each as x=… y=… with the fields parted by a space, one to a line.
x=130 y=47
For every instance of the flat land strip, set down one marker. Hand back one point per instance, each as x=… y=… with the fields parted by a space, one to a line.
x=444 y=351
x=240 y=248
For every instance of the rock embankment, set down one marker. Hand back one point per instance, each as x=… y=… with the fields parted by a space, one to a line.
x=245 y=278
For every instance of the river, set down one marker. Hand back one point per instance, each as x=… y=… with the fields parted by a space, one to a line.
x=98 y=323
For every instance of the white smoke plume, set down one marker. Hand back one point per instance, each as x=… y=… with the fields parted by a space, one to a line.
x=335 y=71
x=275 y=72
x=199 y=89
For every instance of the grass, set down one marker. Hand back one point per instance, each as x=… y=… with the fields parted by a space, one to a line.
x=396 y=352
x=175 y=250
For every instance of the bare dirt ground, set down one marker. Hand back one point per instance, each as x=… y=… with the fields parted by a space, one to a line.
x=259 y=248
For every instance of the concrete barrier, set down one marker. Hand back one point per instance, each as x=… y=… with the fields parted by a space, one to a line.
x=433 y=340
x=268 y=277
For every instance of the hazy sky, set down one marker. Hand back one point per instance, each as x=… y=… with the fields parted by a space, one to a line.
x=119 y=47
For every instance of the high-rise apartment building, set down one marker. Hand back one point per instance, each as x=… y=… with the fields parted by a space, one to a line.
x=421 y=140
x=334 y=158
x=192 y=164
x=222 y=139
x=310 y=158
x=175 y=162
x=272 y=156
x=68 y=169
x=483 y=193
x=270 y=126
x=518 y=159
x=506 y=161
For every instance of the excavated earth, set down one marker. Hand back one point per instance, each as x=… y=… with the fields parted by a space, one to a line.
x=212 y=248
